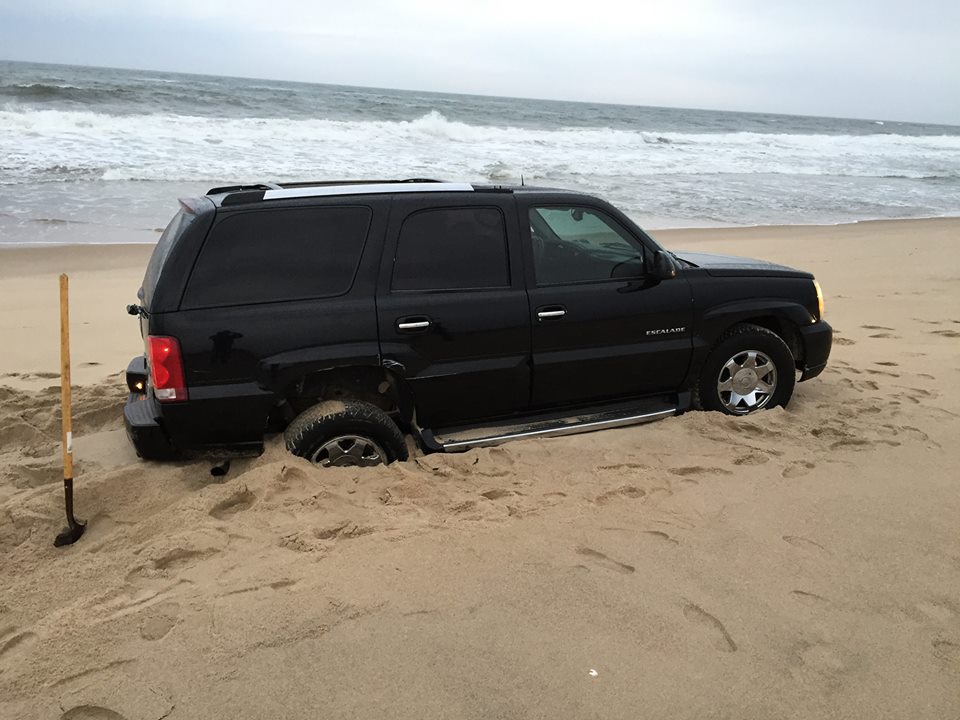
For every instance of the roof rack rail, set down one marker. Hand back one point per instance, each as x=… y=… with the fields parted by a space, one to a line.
x=313 y=183
x=242 y=194
x=328 y=183
x=363 y=188
x=241 y=188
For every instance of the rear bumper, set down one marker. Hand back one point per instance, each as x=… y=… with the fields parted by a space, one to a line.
x=817 y=341
x=140 y=416
x=204 y=427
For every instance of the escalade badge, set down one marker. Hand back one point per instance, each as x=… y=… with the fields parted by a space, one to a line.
x=666 y=331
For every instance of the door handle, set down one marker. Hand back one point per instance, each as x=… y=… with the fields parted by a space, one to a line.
x=413 y=324
x=551 y=312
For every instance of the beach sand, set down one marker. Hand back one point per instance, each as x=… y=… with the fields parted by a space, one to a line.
x=799 y=563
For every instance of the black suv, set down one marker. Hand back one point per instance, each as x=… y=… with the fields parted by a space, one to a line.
x=346 y=314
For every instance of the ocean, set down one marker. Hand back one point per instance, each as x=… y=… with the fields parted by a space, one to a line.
x=100 y=155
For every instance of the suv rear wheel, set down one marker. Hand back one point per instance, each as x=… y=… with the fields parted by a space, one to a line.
x=750 y=368
x=342 y=433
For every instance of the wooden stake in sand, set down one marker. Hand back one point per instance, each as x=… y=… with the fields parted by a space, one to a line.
x=74 y=529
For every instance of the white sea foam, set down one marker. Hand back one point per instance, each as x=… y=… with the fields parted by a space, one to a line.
x=59 y=145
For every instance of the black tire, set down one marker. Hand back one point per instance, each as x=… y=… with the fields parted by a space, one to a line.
x=327 y=420
x=740 y=339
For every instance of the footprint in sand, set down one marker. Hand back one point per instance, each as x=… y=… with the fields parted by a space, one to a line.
x=241 y=499
x=697 y=470
x=133 y=602
x=752 y=459
x=843 y=341
x=180 y=557
x=947 y=650
x=946 y=333
x=160 y=621
x=699 y=617
x=825 y=660
x=807 y=598
x=797 y=469
x=624 y=466
x=941 y=611
x=858 y=444
x=885 y=335
x=662 y=536
x=803 y=543
x=343 y=530
x=91 y=712
x=628 y=491
x=885 y=373
x=604 y=561
x=11 y=647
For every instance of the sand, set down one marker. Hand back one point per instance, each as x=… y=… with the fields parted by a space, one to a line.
x=799 y=563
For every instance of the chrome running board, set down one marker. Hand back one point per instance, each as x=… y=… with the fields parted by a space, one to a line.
x=460 y=440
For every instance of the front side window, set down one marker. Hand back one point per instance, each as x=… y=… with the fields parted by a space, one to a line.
x=576 y=244
x=451 y=249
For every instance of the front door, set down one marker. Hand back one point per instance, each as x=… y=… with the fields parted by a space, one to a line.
x=602 y=328
x=452 y=306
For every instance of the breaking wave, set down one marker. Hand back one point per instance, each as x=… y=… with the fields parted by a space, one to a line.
x=43 y=145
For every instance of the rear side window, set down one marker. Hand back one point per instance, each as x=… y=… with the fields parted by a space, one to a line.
x=174 y=229
x=451 y=249
x=275 y=255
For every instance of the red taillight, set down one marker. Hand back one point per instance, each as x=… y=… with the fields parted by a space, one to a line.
x=166 y=368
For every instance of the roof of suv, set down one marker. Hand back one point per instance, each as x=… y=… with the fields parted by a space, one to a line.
x=243 y=194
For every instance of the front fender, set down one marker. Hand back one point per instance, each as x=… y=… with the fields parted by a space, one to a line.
x=783 y=316
x=713 y=322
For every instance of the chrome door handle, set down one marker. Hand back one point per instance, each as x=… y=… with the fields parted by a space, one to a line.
x=551 y=314
x=416 y=325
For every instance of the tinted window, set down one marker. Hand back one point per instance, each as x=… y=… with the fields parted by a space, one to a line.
x=160 y=252
x=274 y=255
x=452 y=249
x=573 y=244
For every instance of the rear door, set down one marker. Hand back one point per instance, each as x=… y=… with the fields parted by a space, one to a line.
x=602 y=328
x=452 y=306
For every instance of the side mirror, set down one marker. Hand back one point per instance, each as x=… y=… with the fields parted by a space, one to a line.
x=664 y=268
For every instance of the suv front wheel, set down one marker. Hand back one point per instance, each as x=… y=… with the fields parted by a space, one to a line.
x=342 y=433
x=750 y=368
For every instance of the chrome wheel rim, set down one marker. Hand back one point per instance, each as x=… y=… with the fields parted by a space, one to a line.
x=747 y=382
x=348 y=451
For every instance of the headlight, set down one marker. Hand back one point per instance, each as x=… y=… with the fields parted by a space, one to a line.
x=816 y=286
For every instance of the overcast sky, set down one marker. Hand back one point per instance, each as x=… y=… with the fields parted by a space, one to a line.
x=852 y=58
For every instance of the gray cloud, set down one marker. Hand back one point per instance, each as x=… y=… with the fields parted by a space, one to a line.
x=845 y=58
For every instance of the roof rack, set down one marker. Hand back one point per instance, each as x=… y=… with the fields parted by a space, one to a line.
x=328 y=183
x=313 y=183
x=254 y=193
x=242 y=188
x=364 y=189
